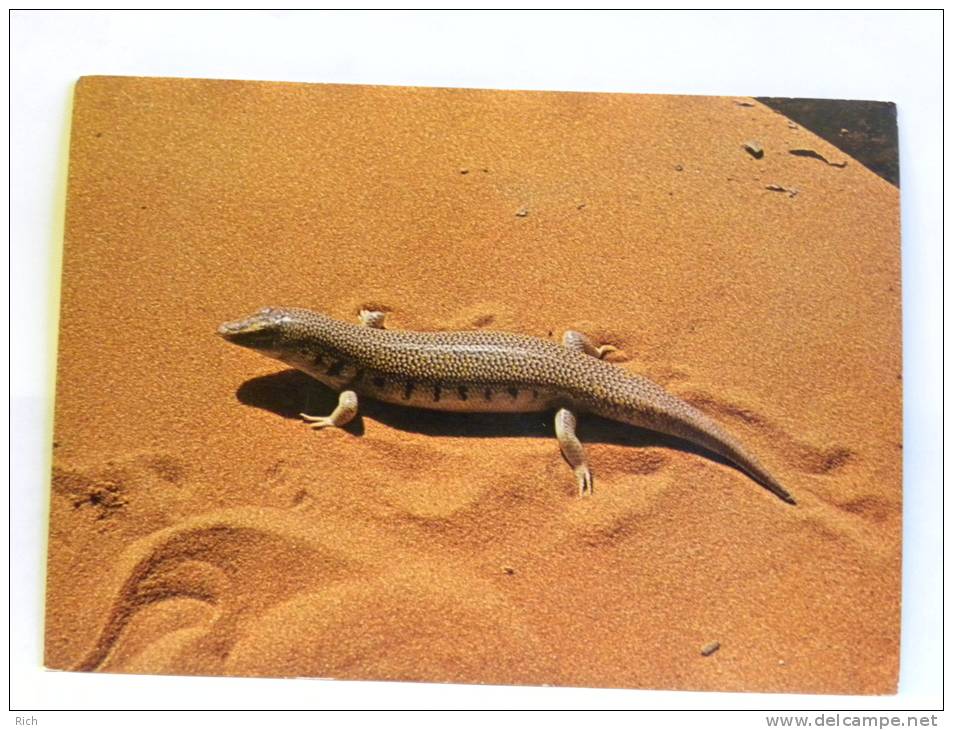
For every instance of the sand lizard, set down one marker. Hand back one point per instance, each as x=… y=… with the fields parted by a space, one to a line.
x=481 y=371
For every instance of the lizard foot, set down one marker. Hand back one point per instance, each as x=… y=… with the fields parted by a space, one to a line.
x=578 y=342
x=343 y=414
x=584 y=480
x=317 y=422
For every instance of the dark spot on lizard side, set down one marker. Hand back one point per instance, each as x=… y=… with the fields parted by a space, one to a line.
x=488 y=394
x=358 y=377
x=462 y=390
x=436 y=392
x=379 y=381
x=514 y=392
x=336 y=368
x=409 y=389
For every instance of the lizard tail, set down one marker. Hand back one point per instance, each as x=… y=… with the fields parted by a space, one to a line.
x=694 y=426
x=648 y=405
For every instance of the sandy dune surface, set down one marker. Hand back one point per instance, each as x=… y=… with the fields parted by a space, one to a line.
x=198 y=527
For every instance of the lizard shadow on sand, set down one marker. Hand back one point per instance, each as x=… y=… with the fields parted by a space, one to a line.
x=290 y=392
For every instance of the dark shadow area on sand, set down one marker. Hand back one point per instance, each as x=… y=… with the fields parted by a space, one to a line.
x=290 y=392
x=865 y=130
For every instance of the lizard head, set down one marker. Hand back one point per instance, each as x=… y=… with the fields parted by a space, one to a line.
x=292 y=336
x=262 y=331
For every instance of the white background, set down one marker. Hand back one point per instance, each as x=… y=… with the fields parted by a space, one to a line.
x=894 y=56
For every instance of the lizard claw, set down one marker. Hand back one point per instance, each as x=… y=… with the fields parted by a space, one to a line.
x=604 y=350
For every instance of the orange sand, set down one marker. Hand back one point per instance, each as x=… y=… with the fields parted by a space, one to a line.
x=199 y=528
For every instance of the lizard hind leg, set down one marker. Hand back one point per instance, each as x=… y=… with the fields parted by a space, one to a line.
x=344 y=412
x=372 y=319
x=580 y=343
x=572 y=449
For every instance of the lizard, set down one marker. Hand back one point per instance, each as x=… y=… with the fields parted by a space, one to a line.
x=481 y=371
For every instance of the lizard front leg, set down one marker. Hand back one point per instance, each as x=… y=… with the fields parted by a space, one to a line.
x=572 y=449
x=343 y=414
x=580 y=343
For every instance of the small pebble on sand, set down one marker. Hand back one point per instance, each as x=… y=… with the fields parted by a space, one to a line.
x=754 y=149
